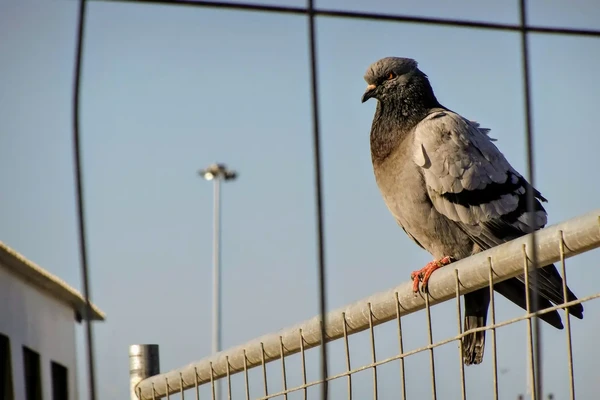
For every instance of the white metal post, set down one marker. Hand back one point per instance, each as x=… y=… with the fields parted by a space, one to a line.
x=144 y=362
x=217 y=173
x=216 y=345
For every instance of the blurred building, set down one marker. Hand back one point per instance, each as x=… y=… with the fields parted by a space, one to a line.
x=38 y=312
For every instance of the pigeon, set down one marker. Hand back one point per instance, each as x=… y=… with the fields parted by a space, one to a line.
x=452 y=191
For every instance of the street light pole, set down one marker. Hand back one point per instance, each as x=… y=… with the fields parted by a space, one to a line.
x=217 y=173
x=216 y=328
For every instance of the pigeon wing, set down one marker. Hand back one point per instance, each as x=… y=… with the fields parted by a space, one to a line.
x=470 y=182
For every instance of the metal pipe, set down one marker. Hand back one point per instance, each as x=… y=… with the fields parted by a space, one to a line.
x=217 y=173
x=216 y=339
x=144 y=362
x=579 y=234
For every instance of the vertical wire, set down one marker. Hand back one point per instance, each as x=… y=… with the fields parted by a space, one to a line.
x=567 y=316
x=196 y=383
x=431 y=356
x=460 y=341
x=318 y=192
x=373 y=354
x=347 y=350
x=228 y=378
x=283 y=374
x=303 y=360
x=246 y=384
x=181 y=383
x=493 y=330
x=264 y=368
x=401 y=346
x=530 y=344
x=77 y=165
x=537 y=335
x=212 y=381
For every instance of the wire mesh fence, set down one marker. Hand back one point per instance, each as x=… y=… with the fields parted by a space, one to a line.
x=509 y=260
x=554 y=244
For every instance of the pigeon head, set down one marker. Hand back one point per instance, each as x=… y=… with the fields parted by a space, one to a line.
x=397 y=81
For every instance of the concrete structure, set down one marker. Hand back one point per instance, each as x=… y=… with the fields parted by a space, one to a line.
x=37 y=331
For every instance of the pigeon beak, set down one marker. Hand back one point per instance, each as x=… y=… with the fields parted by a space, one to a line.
x=370 y=92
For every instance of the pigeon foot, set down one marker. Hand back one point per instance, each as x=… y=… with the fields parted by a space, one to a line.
x=424 y=273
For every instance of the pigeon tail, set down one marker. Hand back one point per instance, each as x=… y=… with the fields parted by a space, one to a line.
x=473 y=343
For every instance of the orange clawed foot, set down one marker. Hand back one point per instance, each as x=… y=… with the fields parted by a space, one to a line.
x=424 y=273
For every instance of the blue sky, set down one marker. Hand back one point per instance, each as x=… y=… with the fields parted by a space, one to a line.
x=168 y=90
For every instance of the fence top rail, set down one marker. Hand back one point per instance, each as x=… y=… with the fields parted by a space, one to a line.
x=579 y=234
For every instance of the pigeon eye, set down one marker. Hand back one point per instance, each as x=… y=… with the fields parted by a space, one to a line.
x=391 y=76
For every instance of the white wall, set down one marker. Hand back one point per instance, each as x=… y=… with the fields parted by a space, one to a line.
x=33 y=318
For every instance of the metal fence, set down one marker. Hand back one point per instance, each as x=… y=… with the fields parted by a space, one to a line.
x=553 y=244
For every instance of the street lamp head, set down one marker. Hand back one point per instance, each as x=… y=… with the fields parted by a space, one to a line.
x=218 y=171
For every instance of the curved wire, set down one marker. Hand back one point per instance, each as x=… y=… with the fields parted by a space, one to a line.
x=536 y=367
x=79 y=202
x=318 y=193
